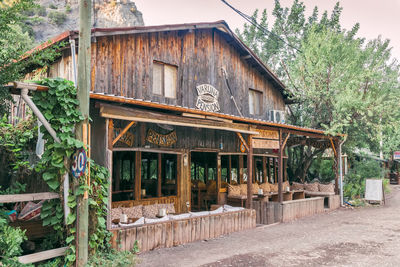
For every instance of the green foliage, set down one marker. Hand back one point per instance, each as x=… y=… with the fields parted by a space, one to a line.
x=68 y=8
x=57 y=18
x=322 y=168
x=52 y=6
x=10 y=243
x=60 y=108
x=114 y=258
x=354 y=182
x=16 y=144
x=14 y=42
x=340 y=83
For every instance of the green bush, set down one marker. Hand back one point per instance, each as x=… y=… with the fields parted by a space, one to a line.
x=354 y=182
x=52 y=6
x=57 y=18
x=68 y=8
x=10 y=243
x=40 y=11
x=113 y=258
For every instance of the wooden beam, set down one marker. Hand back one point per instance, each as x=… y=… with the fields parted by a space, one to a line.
x=263 y=124
x=219 y=179
x=230 y=169
x=243 y=141
x=131 y=114
x=123 y=132
x=110 y=133
x=43 y=255
x=138 y=174
x=285 y=141
x=241 y=169
x=333 y=146
x=28 y=197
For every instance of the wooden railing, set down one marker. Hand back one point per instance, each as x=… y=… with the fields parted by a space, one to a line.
x=147 y=201
x=177 y=232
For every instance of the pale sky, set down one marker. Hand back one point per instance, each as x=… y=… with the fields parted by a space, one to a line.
x=376 y=17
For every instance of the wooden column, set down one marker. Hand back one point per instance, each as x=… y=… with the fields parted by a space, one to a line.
x=138 y=172
x=249 y=202
x=229 y=169
x=280 y=168
x=241 y=169
x=159 y=171
x=337 y=165
x=264 y=169
x=218 y=178
x=269 y=169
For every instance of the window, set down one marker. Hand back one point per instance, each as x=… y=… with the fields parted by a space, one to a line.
x=123 y=182
x=255 y=102
x=165 y=78
x=158 y=175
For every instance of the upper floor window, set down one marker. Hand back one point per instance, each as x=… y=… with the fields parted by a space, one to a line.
x=165 y=78
x=255 y=102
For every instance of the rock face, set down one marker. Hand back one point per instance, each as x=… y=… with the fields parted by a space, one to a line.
x=56 y=16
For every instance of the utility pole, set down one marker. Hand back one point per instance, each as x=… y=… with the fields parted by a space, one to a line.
x=81 y=131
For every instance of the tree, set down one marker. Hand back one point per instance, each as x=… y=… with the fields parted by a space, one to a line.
x=339 y=82
x=14 y=42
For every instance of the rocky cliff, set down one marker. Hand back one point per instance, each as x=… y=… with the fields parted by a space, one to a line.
x=53 y=17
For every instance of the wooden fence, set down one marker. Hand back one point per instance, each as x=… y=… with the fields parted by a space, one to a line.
x=273 y=212
x=295 y=209
x=177 y=232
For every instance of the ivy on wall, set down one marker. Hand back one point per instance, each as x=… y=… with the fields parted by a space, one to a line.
x=60 y=107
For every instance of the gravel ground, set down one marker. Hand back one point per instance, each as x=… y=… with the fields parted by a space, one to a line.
x=346 y=237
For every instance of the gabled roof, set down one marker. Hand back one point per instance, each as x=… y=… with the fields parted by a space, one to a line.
x=221 y=25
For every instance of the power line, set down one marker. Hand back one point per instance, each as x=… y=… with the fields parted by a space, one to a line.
x=254 y=23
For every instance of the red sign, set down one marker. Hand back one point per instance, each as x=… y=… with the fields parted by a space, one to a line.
x=396 y=155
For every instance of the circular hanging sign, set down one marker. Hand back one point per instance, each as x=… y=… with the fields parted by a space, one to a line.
x=78 y=166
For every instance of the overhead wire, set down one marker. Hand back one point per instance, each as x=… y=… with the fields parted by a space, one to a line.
x=257 y=25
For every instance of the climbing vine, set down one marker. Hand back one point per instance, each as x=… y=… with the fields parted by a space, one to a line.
x=60 y=108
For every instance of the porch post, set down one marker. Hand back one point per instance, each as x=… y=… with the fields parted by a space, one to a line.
x=280 y=168
x=337 y=166
x=218 y=178
x=249 y=203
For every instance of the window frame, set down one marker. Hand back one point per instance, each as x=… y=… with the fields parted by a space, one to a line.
x=260 y=110
x=163 y=79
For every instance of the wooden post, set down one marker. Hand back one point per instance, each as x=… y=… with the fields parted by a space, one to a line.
x=280 y=168
x=241 y=169
x=83 y=92
x=159 y=171
x=264 y=169
x=138 y=167
x=218 y=178
x=269 y=169
x=229 y=169
x=337 y=166
x=249 y=202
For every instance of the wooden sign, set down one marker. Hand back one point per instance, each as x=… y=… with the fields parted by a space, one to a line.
x=161 y=139
x=207 y=98
x=269 y=134
x=265 y=143
x=127 y=138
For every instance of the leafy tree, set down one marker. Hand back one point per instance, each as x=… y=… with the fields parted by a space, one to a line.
x=14 y=42
x=340 y=83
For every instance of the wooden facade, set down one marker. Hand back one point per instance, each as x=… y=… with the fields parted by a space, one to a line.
x=149 y=130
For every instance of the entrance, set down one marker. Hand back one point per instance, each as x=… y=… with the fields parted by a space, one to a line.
x=203 y=173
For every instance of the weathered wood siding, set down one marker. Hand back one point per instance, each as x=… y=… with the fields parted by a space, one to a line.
x=174 y=233
x=122 y=65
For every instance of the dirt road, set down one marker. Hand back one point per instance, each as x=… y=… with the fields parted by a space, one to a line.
x=361 y=237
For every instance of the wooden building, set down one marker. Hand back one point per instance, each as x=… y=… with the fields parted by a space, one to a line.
x=181 y=111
